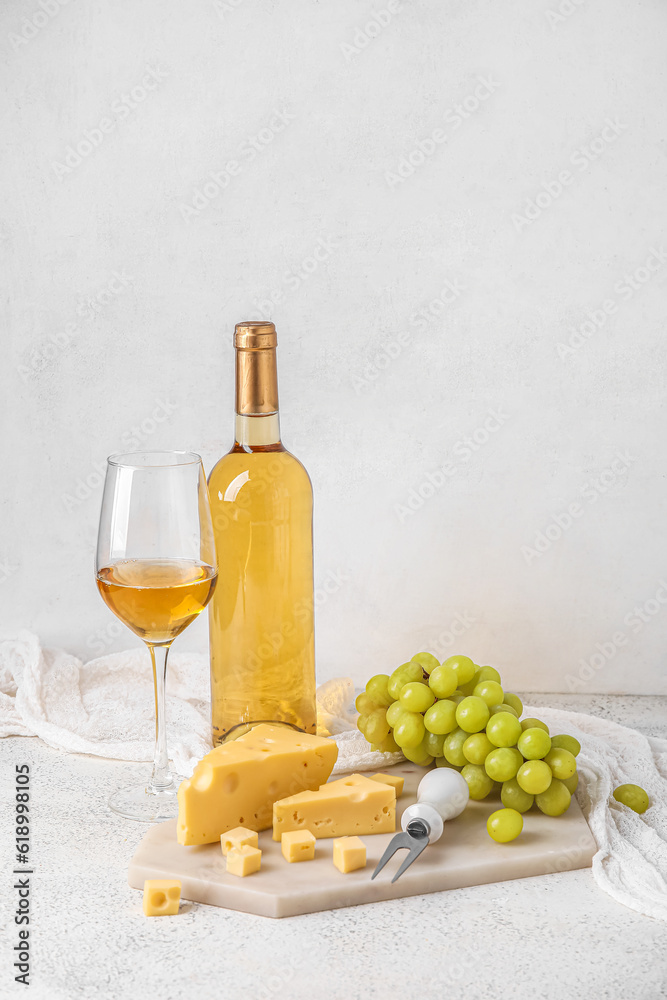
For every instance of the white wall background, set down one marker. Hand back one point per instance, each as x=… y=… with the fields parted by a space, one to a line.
x=86 y=371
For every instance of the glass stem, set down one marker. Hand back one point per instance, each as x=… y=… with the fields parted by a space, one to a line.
x=161 y=777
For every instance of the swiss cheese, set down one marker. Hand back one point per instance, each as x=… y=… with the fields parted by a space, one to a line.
x=161 y=897
x=390 y=779
x=237 y=783
x=245 y=860
x=349 y=854
x=350 y=806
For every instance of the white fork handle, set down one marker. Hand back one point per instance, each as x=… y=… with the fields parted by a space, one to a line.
x=442 y=794
x=431 y=816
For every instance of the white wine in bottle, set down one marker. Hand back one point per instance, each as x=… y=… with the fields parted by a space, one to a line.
x=261 y=620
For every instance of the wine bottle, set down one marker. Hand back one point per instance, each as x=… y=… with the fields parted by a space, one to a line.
x=261 y=620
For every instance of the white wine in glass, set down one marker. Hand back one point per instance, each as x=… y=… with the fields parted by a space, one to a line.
x=156 y=570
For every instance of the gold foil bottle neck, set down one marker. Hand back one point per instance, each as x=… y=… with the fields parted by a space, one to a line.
x=256 y=372
x=255 y=335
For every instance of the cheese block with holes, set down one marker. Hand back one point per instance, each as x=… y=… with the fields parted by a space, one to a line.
x=237 y=783
x=352 y=805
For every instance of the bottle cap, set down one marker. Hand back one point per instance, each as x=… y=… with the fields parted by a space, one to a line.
x=255 y=335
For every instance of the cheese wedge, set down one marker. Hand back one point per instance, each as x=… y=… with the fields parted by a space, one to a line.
x=390 y=779
x=237 y=783
x=347 y=807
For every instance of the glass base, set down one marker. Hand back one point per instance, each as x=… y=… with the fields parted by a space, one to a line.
x=146 y=803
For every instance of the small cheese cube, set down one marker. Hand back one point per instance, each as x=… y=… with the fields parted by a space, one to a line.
x=240 y=836
x=298 y=845
x=161 y=897
x=244 y=860
x=349 y=853
x=390 y=779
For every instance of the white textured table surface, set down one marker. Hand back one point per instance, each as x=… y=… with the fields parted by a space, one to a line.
x=556 y=937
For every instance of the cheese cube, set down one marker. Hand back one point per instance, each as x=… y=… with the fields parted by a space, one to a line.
x=244 y=860
x=390 y=779
x=161 y=897
x=237 y=783
x=349 y=853
x=240 y=836
x=299 y=845
x=351 y=805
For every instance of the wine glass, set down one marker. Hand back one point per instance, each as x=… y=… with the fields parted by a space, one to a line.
x=156 y=569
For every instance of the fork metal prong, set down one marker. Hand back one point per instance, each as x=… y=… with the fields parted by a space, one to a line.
x=415 y=845
x=395 y=844
x=416 y=849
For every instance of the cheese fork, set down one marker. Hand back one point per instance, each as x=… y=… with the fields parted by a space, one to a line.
x=442 y=794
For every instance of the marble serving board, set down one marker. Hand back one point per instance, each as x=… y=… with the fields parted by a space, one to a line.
x=465 y=855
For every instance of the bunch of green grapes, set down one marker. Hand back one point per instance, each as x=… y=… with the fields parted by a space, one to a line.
x=458 y=714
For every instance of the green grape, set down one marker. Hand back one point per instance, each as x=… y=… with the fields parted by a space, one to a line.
x=426 y=660
x=513 y=796
x=402 y=675
x=443 y=762
x=508 y=708
x=502 y=764
x=555 y=800
x=443 y=681
x=504 y=825
x=503 y=729
x=534 y=776
x=361 y=723
x=534 y=724
x=394 y=712
x=416 y=697
x=457 y=697
x=476 y=748
x=490 y=692
x=472 y=714
x=534 y=743
x=377 y=688
x=464 y=667
x=494 y=709
x=441 y=717
x=566 y=743
x=571 y=783
x=488 y=674
x=433 y=743
x=388 y=745
x=410 y=730
x=377 y=728
x=563 y=764
x=364 y=703
x=479 y=783
x=632 y=796
x=469 y=687
x=514 y=702
x=453 y=747
x=418 y=755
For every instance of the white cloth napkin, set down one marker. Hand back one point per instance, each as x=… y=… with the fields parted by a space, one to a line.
x=105 y=707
